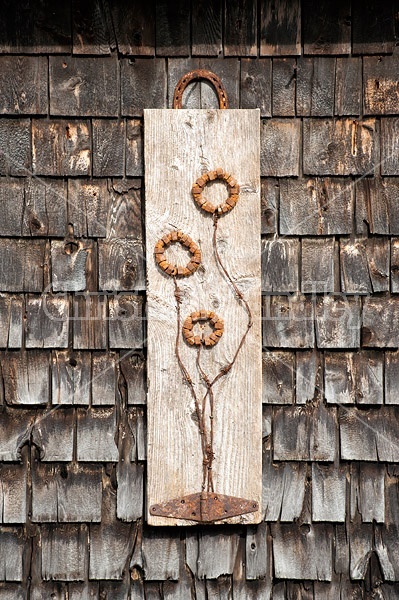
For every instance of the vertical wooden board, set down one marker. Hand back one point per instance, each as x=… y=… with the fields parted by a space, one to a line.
x=179 y=147
x=280 y=27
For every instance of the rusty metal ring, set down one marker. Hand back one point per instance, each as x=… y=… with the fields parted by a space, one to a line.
x=228 y=204
x=184 y=240
x=207 y=340
x=200 y=74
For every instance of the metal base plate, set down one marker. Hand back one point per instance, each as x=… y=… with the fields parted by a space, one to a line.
x=204 y=507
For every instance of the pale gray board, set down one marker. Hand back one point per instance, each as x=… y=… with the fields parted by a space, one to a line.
x=180 y=145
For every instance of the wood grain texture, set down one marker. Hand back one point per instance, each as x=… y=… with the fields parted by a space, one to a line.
x=317 y=265
x=15 y=154
x=284 y=87
x=143 y=85
x=373 y=27
x=280 y=28
x=179 y=163
x=326 y=27
x=206 y=28
x=280 y=142
x=23 y=85
x=256 y=84
x=367 y=492
x=65 y=552
x=365 y=265
x=134 y=27
x=348 y=77
x=92 y=31
x=389 y=146
x=172 y=28
x=280 y=260
x=240 y=34
x=315 y=86
x=380 y=322
x=108 y=148
x=354 y=378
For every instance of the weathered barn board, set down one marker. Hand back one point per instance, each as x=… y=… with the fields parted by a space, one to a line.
x=172 y=166
x=354 y=378
x=270 y=195
x=143 y=85
x=60 y=147
x=315 y=86
x=348 y=93
x=288 y=321
x=318 y=265
x=92 y=29
x=256 y=79
x=326 y=27
x=367 y=492
x=23 y=85
x=280 y=266
x=280 y=28
x=284 y=87
x=280 y=142
x=239 y=28
x=373 y=28
x=172 y=36
x=108 y=147
x=64 y=552
x=206 y=37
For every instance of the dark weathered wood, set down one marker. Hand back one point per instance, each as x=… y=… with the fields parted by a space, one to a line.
x=256 y=84
x=377 y=210
x=283 y=489
x=308 y=376
x=348 y=94
x=392 y=377
x=68 y=265
x=66 y=493
x=389 y=146
x=103 y=381
x=95 y=432
x=83 y=86
x=284 y=87
x=172 y=28
x=44 y=208
x=83 y=591
x=125 y=321
x=138 y=426
x=130 y=494
x=360 y=548
x=280 y=260
x=317 y=265
x=257 y=559
x=380 y=85
x=134 y=27
x=240 y=28
x=11 y=553
x=302 y=552
x=380 y=322
x=278 y=377
x=37 y=27
x=11 y=321
x=60 y=147
x=47 y=322
x=369 y=435
x=111 y=542
x=12 y=205
x=305 y=433
x=23 y=85
x=88 y=207
x=161 y=554
x=21 y=265
x=280 y=142
x=125 y=211
x=89 y=322
x=71 y=377
x=53 y=435
x=354 y=378
x=13 y=493
x=373 y=27
x=143 y=85
x=15 y=427
x=217 y=552
x=132 y=368
x=355 y=276
x=367 y=492
x=108 y=150
x=121 y=265
x=280 y=28
x=326 y=27
x=206 y=31
x=270 y=196
x=338 y=322
x=134 y=148
x=394 y=265
x=15 y=154
x=328 y=493
x=315 y=206
x=315 y=86
x=91 y=27
x=64 y=552
x=339 y=147
x=26 y=377
x=288 y=322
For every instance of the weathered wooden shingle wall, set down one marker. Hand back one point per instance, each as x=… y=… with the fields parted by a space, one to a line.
x=74 y=78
